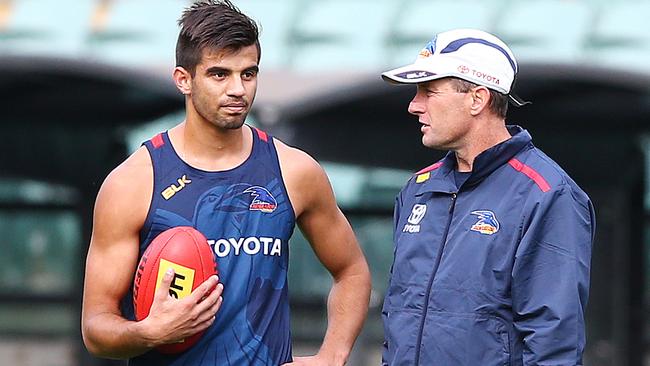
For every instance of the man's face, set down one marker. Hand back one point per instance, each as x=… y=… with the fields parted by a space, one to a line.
x=224 y=86
x=443 y=113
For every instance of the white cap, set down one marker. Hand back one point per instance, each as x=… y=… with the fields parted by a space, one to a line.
x=468 y=54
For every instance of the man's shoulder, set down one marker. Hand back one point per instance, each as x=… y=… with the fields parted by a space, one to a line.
x=423 y=175
x=137 y=164
x=125 y=195
x=295 y=160
x=546 y=173
x=134 y=174
x=306 y=181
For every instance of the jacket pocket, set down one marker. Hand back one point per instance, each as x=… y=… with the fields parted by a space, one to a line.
x=400 y=334
x=464 y=339
x=503 y=331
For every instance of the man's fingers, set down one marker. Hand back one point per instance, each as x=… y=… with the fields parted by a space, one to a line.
x=216 y=306
x=204 y=289
x=218 y=290
x=209 y=313
x=163 y=290
x=211 y=300
x=204 y=325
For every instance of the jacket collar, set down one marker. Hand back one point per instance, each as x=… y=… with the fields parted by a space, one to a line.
x=442 y=179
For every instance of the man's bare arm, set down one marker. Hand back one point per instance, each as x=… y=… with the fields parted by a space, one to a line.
x=120 y=211
x=335 y=245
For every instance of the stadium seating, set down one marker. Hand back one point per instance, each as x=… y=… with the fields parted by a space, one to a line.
x=546 y=30
x=137 y=32
x=420 y=20
x=53 y=27
x=319 y=35
x=275 y=19
x=342 y=34
x=620 y=36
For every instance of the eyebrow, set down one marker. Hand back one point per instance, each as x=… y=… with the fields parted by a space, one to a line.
x=253 y=68
x=218 y=69
x=428 y=87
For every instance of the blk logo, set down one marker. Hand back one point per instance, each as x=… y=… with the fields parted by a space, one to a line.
x=170 y=191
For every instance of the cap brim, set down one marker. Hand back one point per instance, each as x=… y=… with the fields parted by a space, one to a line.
x=409 y=74
x=414 y=73
x=517 y=101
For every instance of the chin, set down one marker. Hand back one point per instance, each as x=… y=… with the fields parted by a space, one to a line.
x=230 y=123
x=428 y=143
x=431 y=144
x=233 y=125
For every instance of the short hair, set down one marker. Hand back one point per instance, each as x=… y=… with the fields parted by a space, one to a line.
x=498 y=101
x=214 y=25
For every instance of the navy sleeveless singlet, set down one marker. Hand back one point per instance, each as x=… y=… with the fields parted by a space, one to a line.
x=246 y=215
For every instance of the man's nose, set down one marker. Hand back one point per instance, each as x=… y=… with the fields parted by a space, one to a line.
x=236 y=87
x=416 y=106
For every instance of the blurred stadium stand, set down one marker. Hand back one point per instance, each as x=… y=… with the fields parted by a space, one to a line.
x=619 y=36
x=546 y=30
x=318 y=35
x=341 y=34
x=418 y=20
x=302 y=42
x=279 y=17
x=134 y=31
x=49 y=27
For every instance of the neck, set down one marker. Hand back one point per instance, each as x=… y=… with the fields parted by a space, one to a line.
x=479 y=141
x=205 y=146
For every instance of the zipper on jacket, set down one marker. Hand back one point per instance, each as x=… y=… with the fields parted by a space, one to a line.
x=433 y=275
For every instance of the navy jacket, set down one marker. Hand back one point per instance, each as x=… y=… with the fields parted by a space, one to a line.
x=492 y=269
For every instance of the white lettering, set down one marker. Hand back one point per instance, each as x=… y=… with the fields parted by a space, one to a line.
x=265 y=242
x=250 y=245
x=277 y=247
x=254 y=249
x=220 y=247
x=411 y=229
x=236 y=244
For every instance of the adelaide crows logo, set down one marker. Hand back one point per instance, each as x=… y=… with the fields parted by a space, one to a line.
x=487 y=222
x=263 y=200
x=430 y=48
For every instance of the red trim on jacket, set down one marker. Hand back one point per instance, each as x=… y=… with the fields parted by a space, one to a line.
x=430 y=168
x=530 y=173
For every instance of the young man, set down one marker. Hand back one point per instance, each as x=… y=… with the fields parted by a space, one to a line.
x=244 y=191
x=493 y=242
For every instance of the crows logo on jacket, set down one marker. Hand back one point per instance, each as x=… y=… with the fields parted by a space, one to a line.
x=487 y=222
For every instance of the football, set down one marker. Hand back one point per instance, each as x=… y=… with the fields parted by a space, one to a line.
x=184 y=249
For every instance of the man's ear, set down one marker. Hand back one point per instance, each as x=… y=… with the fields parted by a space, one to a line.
x=480 y=99
x=183 y=80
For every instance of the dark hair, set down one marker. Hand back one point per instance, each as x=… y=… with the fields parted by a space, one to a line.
x=216 y=25
x=498 y=101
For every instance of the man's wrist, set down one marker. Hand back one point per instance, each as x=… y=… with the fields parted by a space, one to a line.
x=143 y=332
x=333 y=357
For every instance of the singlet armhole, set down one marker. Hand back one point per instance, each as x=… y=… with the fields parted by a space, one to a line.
x=146 y=226
x=276 y=157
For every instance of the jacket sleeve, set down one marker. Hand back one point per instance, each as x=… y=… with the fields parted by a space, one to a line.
x=550 y=279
